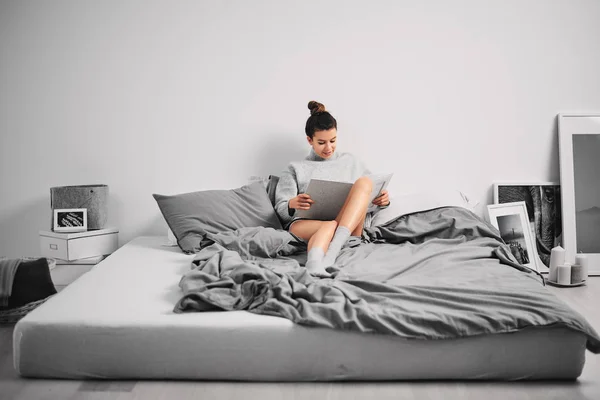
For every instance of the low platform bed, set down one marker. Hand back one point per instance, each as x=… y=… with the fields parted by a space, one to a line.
x=153 y=312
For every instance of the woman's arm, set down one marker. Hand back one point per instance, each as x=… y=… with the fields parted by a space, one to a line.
x=287 y=188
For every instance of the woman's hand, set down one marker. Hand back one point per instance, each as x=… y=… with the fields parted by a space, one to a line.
x=383 y=199
x=301 y=202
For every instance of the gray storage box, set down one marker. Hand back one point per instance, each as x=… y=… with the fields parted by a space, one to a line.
x=92 y=197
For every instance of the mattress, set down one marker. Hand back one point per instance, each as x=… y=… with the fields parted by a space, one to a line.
x=117 y=322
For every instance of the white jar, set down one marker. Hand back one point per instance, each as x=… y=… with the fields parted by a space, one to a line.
x=564 y=274
x=576 y=274
x=582 y=260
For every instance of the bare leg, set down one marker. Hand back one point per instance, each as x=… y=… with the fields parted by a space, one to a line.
x=359 y=228
x=323 y=236
x=319 y=234
x=351 y=217
x=352 y=214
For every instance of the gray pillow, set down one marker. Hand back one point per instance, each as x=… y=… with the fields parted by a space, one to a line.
x=191 y=215
x=271 y=186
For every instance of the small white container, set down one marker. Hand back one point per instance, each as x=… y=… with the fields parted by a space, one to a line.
x=582 y=259
x=564 y=274
x=576 y=274
x=74 y=246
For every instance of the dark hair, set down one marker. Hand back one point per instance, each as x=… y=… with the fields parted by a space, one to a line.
x=319 y=120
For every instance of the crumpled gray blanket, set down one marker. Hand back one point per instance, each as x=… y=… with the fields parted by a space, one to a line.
x=438 y=274
x=8 y=269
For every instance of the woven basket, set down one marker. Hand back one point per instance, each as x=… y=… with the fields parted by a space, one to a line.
x=51 y=261
x=11 y=316
x=15 y=314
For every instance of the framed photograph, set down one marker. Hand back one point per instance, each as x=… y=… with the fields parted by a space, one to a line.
x=512 y=222
x=579 y=154
x=70 y=220
x=544 y=209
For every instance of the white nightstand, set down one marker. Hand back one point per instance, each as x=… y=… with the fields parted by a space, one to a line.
x=76 y=253
x=66 y=272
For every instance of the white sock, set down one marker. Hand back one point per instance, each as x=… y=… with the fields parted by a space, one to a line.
x=339 y=238
x=314 y=262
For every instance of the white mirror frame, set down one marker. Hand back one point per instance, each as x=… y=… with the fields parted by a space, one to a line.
x=570 y=125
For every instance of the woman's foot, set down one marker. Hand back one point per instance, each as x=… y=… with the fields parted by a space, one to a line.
x=314 y=263
x=339 y=238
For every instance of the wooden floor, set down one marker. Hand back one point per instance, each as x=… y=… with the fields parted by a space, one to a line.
x=585 y=299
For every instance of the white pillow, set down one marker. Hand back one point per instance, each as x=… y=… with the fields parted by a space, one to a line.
x=171 y=239
x=422 y=201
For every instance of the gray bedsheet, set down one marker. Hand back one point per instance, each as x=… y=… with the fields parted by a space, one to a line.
x=437 y=274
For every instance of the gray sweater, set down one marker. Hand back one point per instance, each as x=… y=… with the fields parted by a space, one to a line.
x=343 y=167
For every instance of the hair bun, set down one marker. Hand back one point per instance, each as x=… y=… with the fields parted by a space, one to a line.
x=315 y=107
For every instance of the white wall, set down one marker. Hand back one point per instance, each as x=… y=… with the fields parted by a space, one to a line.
x=167 y=97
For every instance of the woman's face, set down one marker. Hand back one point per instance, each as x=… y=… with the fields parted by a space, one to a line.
x=323 y=142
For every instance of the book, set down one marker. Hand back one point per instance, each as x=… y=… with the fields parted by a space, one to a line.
x=329 y=196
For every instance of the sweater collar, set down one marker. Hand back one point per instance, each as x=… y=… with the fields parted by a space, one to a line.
x=312 y=156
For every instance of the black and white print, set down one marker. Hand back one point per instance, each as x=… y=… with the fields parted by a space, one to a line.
x=543 y=202
x=513 y=234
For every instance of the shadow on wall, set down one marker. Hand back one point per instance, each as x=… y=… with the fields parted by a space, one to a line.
x=157 y=226
x=152 y=226
x=276 y=152
x=481 y=209
x=273 y=155
x=553 y=160
x=19 y=236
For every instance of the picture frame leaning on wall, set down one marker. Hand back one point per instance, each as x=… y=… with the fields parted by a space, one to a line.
x=544 y=210
x=512 y=222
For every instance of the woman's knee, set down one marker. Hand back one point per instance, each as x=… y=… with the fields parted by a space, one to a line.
x=301 y=229
x=293 y=228
x=305 y=229
x=364 y=183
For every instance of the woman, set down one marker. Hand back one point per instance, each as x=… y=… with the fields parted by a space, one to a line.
x=325 y=238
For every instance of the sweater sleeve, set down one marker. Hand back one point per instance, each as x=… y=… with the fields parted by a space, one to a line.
x=287 y=188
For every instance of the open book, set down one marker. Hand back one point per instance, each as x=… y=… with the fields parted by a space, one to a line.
x=329 y=196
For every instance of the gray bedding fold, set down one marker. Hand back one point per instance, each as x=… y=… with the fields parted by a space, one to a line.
x=438 y=274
